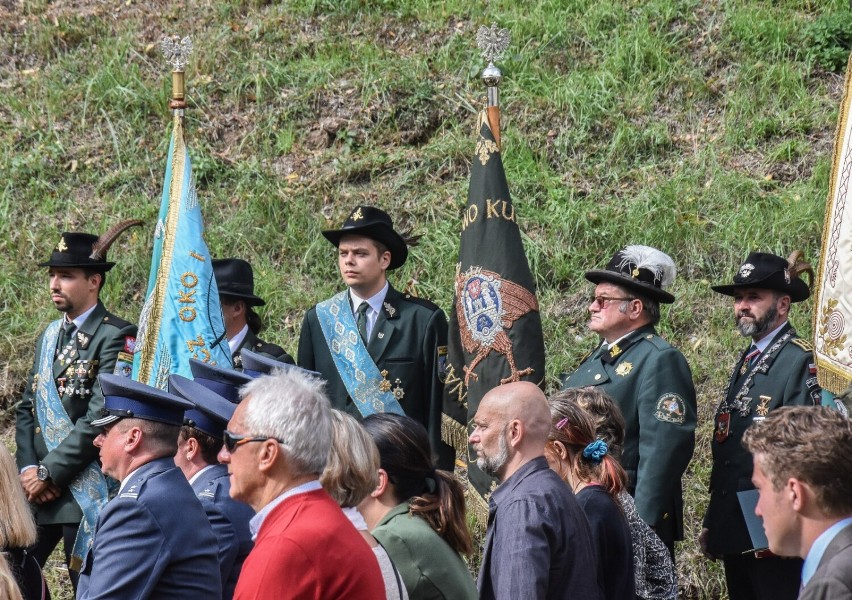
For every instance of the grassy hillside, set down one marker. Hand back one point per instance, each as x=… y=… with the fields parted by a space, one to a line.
x=701 y=127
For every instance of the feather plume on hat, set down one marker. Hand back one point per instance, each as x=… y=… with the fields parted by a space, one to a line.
x=796 y=266
x=645 y=257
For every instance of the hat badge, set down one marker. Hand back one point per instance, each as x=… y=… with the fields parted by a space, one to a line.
x=357 y=216
x=746 y=270
x=61 y=246
x=787 y=276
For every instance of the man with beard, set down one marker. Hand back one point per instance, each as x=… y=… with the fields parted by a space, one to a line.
x=776 y=370
x=538 y=544
x=53 y=426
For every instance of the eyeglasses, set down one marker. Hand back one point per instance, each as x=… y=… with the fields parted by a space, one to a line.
x=603 y=301
x=233 y=440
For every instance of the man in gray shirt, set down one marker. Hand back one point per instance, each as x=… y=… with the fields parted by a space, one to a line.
x=538 y=544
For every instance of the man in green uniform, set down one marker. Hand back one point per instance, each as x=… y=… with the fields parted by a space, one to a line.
x=53 y=430
x=235 y=280
x=649 y=380
x=777 y=369
x=378 y=349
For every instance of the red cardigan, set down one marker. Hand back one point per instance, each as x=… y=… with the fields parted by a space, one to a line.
x=307 y=549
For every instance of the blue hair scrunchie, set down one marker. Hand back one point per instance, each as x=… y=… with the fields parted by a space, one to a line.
x=596 y=451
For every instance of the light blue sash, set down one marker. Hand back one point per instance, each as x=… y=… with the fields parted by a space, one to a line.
x=89 y=488
x=354 y=364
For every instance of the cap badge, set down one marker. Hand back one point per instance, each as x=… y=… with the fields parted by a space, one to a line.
x=635 y=273
x=745 y=270
x=61 y=246
x=787 y=276
x=357 y=216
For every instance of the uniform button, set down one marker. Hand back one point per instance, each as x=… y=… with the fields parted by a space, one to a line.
x=724 y=492
x=666 y=516
x=38 y=429
x=598 y=376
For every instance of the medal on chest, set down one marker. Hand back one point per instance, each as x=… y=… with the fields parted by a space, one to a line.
x=723 y=427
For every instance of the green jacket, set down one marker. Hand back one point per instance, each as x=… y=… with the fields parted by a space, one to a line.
x=255 y=344
x=428 y=566
x=651 y=382
x=100 y=339
x=788 y=378
x=405 y=342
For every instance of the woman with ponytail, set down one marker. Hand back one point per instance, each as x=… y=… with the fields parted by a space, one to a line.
x=583 y=461
x=416 y=512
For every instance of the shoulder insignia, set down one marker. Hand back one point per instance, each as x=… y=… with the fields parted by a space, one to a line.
x=803 y=344
x=422 y=302
x=658 y=342
x=111 y=319
x=670 y=409
x=129 y=344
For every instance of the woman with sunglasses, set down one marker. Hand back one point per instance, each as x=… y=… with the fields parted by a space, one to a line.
x=596 y=478
x=416 y=512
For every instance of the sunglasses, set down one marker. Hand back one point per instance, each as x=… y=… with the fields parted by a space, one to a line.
x=233 y=440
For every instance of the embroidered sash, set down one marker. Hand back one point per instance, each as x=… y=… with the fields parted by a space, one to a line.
x=89 y=488
x=354 y=364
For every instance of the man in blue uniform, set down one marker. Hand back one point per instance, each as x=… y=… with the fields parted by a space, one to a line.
x=648 y=379
x=153 y=539
x=198 y=444
x=777 y=369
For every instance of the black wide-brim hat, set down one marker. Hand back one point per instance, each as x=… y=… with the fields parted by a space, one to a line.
x=74 y=250
x=766 y=271
x=642 y=269
x=235 y=278
x=375 y=224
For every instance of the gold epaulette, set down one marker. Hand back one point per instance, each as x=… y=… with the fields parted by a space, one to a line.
x=803 y=344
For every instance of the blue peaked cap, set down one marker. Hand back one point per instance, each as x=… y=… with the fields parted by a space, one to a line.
x=255 y=365
x=126 y=398
x=210 y=412
x=224 y=381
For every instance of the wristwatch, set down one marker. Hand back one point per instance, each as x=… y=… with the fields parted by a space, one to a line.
x=42 y=473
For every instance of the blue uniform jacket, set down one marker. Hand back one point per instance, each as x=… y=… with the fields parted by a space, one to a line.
x=230 y=521
x=152 y=541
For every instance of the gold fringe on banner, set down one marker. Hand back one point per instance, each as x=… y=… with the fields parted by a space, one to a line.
x=454 y=434
x=831 y=380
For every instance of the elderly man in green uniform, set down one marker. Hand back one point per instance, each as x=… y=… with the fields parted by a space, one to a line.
x=235 y=280
x=53 y=429
x=648 y=378
x=777 y=369
x=378 y=349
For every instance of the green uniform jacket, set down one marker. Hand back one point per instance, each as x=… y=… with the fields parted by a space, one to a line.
x=404 y=342
x=789 y=380
x=107 y=336
x=651 y=382
x=429 y=568
x=255 y=344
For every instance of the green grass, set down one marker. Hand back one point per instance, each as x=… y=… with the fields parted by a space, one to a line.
x=702 y=128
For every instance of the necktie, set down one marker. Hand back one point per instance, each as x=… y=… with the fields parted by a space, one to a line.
x=753 y=353
x=361 y=320
x=67 y=336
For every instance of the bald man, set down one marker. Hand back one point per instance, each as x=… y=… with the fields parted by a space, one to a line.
x=538 y=544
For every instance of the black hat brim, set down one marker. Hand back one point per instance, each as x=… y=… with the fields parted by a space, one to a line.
x=796 y=289
x=94 y=266
x=375 y=231
x=649 y=291
x=249 y=299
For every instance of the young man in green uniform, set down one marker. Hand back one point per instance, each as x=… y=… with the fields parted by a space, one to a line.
x=53 y=429
x=649 y=380
x=235 y=280
x=378 y=349
x=777 y=369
